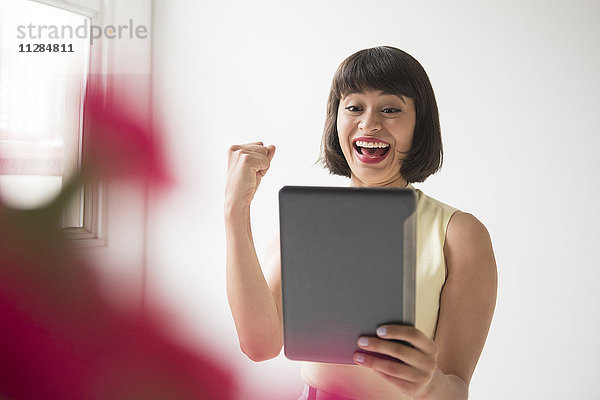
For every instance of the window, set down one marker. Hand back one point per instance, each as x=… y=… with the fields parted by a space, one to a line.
x=41 y=107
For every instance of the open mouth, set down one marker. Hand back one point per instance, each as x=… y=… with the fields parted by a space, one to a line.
x=371 y=151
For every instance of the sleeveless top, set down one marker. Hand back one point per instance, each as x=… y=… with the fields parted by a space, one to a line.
x=433 y=217
x=432 y=220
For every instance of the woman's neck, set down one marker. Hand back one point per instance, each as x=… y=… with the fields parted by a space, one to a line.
x=399 y=182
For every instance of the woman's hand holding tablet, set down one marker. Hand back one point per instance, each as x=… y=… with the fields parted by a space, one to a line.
x=411 y=360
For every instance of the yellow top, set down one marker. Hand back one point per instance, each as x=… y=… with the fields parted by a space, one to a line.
x=432 y=220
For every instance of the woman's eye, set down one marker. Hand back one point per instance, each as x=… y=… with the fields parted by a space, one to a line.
x=391 y=110
x=353 y=108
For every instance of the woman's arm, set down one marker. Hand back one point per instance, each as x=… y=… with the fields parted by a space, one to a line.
x=468 y=298
x=255 y=311
x=442 y=369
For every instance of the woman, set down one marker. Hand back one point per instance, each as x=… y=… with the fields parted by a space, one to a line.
x=382 y=130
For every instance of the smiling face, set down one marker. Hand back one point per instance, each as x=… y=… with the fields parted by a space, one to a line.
x=375 y=131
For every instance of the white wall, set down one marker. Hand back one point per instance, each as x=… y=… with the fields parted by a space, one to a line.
x=517 y=87
x=127 y=63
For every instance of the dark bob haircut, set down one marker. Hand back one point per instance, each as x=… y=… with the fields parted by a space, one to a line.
x=395 y=72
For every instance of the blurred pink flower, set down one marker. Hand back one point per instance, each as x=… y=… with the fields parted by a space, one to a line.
x=117 y=143
x=60 y=338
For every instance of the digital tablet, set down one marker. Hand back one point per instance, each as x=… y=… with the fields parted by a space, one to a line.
x=347 y=266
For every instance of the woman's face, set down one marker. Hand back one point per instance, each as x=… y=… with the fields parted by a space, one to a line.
x=375 y=131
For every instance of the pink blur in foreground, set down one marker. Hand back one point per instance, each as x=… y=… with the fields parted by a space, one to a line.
x=60 y=339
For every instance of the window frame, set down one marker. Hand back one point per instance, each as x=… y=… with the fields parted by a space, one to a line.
x=91 y=199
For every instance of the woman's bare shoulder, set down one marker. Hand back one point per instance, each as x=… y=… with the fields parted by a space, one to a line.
x=467 y=235
x=468 y=249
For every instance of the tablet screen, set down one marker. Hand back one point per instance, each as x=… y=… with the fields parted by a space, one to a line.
x=347 y=266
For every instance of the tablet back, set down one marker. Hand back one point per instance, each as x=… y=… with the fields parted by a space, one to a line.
x=347 y=266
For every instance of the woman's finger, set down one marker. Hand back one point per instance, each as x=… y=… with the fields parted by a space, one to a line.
x=255 y=148
x=391 y=368
x=271 y=152
x=408 y=334
x=255 y=161
x=398 y=350
x=253 y=143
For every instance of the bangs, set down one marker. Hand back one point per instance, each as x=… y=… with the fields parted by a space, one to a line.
x=373 y=69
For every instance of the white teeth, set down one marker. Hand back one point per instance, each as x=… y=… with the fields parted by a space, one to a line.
x=371 y=145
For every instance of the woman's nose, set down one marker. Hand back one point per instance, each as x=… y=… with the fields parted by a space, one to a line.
x=370 y=122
